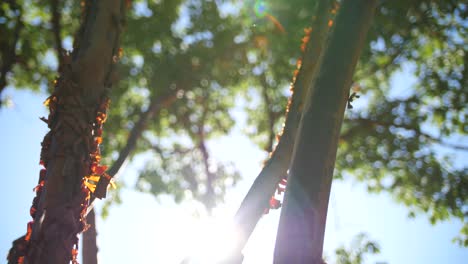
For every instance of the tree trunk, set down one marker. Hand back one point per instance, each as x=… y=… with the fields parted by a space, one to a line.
x=302 y=223
x=71 y=148
x=257 y=199
x=90 y=249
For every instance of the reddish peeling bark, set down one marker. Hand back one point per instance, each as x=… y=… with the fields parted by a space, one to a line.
x=90 y=248
x=70 y=153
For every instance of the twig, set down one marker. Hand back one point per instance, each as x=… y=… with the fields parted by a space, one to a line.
x=271 y=114
x=56 y=29
x=210 y=177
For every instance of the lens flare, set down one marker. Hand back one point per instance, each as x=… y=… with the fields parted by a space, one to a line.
x=260 y=8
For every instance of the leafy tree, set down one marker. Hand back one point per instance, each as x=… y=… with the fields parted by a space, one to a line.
x=34 y=32
x=382 y=141
x=179 y=84
x=190 y=71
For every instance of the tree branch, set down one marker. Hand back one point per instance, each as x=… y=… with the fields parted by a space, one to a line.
x=56 y=29
x=156 y=104
x=271 y=115
x=210 y=178
x=176 y=151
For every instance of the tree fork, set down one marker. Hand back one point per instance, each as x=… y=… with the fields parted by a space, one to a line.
x=303 y=216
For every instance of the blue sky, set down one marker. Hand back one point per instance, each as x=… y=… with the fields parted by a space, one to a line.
x=144 y=227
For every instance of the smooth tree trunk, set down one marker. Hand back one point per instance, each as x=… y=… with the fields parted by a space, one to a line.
x=303 y=216
x=90 y=249
x=77 y=111
x=257 y=199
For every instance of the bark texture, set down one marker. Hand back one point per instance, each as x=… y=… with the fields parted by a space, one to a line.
x=303 y=216
x=77 y=111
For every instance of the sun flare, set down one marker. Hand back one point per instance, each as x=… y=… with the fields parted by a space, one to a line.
x=211 y=240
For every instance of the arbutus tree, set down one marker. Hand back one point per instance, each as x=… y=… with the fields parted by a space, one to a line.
x=70 y=151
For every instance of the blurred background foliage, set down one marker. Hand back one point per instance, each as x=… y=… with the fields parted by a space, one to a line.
x=357 y=251
x=187 y=65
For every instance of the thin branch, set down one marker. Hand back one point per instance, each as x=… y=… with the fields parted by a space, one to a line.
x=270 y=113
x=89 y=239
x=56 y=29
x=210 y=177
x=177 y=151
x=156 y=104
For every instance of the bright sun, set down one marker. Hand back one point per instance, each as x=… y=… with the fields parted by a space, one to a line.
x=211 y=239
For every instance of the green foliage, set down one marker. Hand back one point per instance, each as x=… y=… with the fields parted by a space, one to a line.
x=182 y=54
x=34 y=63
x=180 y=172
x=189 y=60
x=404 y=142
x=197 y=57
x=356 y=254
